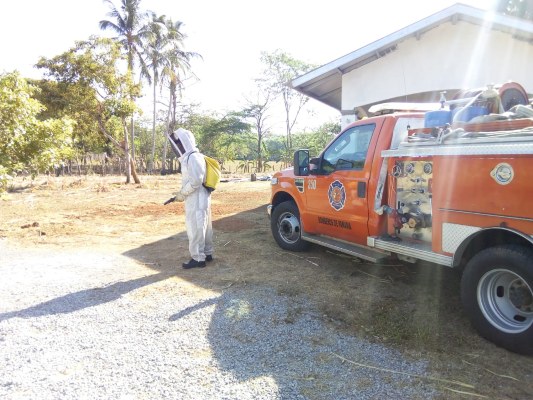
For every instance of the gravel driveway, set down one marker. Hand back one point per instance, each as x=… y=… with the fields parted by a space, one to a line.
x=84 y=325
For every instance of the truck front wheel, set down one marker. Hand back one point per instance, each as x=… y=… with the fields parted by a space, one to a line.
x=497 y=294
x=286 y=227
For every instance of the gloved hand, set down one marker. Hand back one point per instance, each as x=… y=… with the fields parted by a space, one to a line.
x=179 y=196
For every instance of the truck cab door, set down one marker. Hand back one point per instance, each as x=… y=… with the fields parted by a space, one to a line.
x=337 y=189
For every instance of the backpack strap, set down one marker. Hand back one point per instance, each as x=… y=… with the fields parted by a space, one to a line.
x=190 y=155
x=203 y=184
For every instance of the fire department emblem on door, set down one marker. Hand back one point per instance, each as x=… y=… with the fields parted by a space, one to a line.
x=337 y=195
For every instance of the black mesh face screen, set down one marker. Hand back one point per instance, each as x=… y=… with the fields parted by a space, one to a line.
x=180 y=146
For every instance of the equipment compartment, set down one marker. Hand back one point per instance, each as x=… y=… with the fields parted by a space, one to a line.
x=413 y=180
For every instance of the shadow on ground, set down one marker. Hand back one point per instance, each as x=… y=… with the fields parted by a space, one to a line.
x=289 y=317
x=76 y=301
x=277 y=314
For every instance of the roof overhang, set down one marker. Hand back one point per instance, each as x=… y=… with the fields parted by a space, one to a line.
x=325 y=83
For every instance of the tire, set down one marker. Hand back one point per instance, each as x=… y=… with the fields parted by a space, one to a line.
x=497 y=294
x=286 y=227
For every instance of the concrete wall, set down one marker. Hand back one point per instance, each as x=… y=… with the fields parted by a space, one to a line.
x=463 y=55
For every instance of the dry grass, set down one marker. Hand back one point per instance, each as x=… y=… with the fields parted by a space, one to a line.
x=415 y=309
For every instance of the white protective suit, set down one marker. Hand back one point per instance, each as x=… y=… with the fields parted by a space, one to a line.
x=197 y=198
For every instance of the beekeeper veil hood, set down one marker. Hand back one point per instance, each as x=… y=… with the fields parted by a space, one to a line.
x=183 y=142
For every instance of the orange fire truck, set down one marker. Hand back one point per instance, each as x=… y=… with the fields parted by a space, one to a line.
x=451 y=186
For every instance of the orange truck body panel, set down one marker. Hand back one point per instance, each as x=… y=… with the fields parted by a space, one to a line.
x=461 y=190
x=465 y=193
x=355 y=221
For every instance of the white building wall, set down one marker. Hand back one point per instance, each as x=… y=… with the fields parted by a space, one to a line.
x=463 y=55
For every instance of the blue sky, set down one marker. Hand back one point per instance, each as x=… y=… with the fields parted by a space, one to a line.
x=230 y=35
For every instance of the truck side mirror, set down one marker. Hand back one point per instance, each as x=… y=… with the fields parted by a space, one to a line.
x=301 y=163
x=313 y=164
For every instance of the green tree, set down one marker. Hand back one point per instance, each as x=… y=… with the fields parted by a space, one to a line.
x=220 y=137
x=154 y=51
x=516 y=8
x=318 y=139
x=95 y=88
x=143 y=143
x=258 y=112
x=276 y=148
x=280 y=69
x=130 y=25
x=27 y=143
x=166 y=61
x=65 y=100
x=177 y=66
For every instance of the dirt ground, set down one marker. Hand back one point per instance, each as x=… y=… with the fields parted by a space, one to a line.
x=415 y=309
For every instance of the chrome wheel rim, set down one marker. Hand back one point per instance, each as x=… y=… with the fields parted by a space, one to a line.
x=289 y=228
x=506 y=300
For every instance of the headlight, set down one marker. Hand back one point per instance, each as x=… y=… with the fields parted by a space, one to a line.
x=274 y=181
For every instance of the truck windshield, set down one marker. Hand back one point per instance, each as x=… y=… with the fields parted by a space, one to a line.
x=349 y=150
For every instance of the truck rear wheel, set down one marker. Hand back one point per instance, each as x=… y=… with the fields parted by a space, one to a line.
x=497 y=294
x=286 y=227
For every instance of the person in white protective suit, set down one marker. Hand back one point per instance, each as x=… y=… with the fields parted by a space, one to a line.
x=197 y=199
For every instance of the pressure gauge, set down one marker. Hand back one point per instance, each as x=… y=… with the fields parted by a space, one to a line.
x=428 y=168
x=397 y=170
x=410 y=168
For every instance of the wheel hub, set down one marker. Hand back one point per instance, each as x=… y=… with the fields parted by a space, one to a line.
x=289 y=227
x=521 y=296
x=506 y=300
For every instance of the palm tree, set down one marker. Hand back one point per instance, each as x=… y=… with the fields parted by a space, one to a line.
x=176 y=66
x=163 y=53
x=128 y=22
x=154 y=51
x=130 y=27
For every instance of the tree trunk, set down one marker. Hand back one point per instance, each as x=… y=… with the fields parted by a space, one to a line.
x=129 y=165
x=134 y=172
x=127 y=153
x=259 y=156
x=168 y=127
x=152 y=161
x=132 y=137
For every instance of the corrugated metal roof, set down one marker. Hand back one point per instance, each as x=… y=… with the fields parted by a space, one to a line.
x=325 y=83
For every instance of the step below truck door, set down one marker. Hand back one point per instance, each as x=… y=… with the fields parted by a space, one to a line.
x=337 y=192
